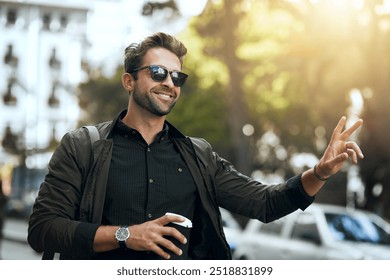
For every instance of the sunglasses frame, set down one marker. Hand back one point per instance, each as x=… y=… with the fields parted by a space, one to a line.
x=176 y=81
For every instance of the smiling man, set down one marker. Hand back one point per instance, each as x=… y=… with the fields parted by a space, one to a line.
x=146 y=191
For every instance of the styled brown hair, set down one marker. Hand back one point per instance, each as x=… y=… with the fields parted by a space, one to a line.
x=135 y=52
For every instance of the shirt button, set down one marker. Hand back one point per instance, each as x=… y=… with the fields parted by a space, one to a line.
x=148 y=149
x=180 y=169
x=150 y=216
x=151 y=181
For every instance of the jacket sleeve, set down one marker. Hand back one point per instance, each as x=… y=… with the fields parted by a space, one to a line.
x=245 y=196
x=53 y=223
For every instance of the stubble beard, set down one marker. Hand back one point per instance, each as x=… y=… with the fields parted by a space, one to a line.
x=147 y=101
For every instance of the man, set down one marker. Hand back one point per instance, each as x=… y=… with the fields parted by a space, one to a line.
x=143 y=167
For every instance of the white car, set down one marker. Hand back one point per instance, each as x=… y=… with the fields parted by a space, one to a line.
x=320 y=232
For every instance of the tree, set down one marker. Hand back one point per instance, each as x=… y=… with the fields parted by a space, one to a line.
x=293 y=66
x=376 y=87
x=202 y=113
x=260 y=85
x=221 y=43
x=342 y=48
x=101 y=98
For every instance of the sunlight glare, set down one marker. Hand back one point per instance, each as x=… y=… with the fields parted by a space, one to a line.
x=357 y=101
x=339 y=4
x=384 y=8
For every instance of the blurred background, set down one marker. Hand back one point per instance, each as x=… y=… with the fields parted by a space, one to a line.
x=269 y=81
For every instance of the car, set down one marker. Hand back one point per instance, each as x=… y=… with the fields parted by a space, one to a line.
x=25 y=186
x=322 y=231
x=231 y=228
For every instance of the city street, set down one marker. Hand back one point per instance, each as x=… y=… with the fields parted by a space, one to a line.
x=14 y=246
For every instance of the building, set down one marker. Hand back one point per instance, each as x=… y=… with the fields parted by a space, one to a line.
x=42 y=47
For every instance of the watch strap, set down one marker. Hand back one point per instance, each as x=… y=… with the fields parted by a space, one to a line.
x=122 y=245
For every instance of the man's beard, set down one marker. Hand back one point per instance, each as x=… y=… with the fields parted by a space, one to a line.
x=146 y=101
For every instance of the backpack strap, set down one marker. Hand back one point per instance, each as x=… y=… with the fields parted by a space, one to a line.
x=93 y=133
x=93 y=136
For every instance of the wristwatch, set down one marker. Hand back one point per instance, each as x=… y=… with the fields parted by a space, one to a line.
x=121 y=235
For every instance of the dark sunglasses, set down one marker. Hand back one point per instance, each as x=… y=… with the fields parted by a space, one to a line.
x=160 y=73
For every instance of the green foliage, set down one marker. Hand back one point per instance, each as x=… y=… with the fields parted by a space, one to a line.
x=102 y=98
x=202 y=113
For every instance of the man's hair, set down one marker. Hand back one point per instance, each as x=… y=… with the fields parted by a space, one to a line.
x=135 y=52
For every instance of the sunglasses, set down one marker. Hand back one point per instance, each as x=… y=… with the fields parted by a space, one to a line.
x=160 y=73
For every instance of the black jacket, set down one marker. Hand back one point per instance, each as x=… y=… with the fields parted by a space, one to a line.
x=68 y=208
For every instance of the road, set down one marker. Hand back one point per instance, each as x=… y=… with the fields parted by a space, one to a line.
x=14 y=246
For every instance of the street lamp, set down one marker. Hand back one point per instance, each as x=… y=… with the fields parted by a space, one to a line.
x=54 y=62
x=9 y=98
x=151 y=6
x=10 y=58
x=10 y=141
x=183 y=8
x=53 y=101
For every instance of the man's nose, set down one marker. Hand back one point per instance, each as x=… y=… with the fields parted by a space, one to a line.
x=168 y=81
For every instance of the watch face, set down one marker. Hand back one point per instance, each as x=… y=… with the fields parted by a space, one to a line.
x=122 y=234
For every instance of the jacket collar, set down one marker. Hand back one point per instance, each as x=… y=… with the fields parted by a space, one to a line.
x=173 y=131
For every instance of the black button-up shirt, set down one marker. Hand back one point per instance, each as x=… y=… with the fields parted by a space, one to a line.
x=146 y=181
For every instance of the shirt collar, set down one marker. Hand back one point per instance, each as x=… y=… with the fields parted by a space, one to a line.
x=126 y=131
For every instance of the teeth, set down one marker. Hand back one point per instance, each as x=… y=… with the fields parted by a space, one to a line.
x=165 y=96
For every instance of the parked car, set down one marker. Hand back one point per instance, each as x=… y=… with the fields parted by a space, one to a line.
x=320 y=232
x=231 y=228
x=25 y=186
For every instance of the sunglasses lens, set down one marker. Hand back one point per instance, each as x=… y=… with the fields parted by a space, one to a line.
x=158 y=74
x=178 y=78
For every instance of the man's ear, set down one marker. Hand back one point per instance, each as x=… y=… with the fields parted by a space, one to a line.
x=128 y=82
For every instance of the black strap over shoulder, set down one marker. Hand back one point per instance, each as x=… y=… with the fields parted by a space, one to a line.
x=88 y=161
x=93 y=133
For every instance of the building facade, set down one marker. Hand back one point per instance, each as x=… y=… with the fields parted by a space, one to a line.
x=42 y=48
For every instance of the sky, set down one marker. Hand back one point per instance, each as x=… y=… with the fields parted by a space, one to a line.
x=114 y=24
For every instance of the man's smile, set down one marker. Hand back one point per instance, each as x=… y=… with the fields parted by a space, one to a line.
x=165 y=96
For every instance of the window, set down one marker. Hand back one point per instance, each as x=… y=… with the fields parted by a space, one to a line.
x=63 y=21
x=305 y=228
x=11 y=17
x=46 y=21
x=356 y=228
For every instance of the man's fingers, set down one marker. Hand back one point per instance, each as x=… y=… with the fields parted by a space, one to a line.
x=353 y=155
x=157 y=241
x=169 y=245
x=339 y=127
x=164 y=243
x=174 y=233
x=164 y=247
x=348 y=132
x=355 y=147
x=336 y=160
x=159 y=251
x=166 y=219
